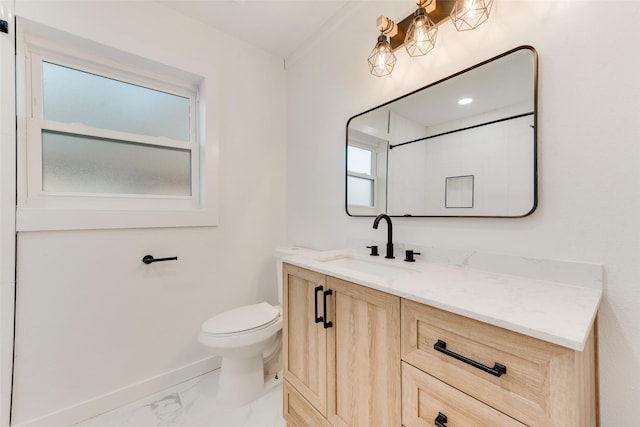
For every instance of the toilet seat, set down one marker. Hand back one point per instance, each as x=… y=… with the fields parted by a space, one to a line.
x=241 y=320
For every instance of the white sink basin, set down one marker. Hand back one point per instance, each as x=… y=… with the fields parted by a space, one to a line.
x=377 y=267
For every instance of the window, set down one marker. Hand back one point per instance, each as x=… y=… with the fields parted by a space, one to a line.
x=101 y=139
x=366 y=174
x=360 y=176
x=101 y=135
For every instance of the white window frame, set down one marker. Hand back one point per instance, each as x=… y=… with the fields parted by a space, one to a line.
x=373 y=148
x=39 y=210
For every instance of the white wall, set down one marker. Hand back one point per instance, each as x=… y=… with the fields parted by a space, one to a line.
x=589 y=101
x=94 y=325
x=7 y=210
x=502 y=167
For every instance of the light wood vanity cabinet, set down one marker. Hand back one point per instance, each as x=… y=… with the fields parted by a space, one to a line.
x=344 y=370
x=543 y=384
x=450 y=370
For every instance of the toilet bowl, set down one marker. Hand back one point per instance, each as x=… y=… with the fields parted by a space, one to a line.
x=244 y=337
x=248 y=339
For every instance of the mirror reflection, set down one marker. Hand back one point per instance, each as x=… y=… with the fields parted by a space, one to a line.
x=463 y=146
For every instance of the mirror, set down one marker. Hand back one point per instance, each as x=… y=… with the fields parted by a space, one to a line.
x=462 y=146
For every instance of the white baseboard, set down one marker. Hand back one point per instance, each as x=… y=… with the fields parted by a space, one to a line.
x=7 y=294
x=101 y=404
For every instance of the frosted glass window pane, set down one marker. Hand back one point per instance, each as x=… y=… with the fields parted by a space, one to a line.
x=72 y=96
x=80 y=164
x=359 y=191
x=359 y=160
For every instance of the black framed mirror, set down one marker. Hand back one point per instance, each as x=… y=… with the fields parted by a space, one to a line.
x=464 y=146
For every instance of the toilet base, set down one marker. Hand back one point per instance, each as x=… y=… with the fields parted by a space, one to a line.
x=241 y=380
x=272 y=382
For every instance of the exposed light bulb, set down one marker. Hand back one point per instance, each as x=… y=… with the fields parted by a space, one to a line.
x=470 y=8
x=421 y=35
x=470 y=14
x=381 y=60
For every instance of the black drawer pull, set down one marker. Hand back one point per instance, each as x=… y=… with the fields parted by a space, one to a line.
x=318 y=319
x=440 y=420
x=324 y=301
x=497 y=370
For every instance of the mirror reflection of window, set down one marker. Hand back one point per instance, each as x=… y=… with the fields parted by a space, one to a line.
x=366 y=174
x=360 y=191
x=359 y=160
x=360 y=179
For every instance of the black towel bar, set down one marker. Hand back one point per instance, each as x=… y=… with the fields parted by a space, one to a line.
x=148 y=259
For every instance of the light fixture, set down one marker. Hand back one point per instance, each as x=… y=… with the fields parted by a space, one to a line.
x=470 y=14
x=418 y=31
x=381 y=60
x=465 y=101
x=421 y=35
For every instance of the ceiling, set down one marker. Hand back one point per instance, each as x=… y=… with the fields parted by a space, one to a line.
x=494 y=86
x=278 y=26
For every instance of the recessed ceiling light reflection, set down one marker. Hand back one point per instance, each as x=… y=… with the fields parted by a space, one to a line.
x=465 y=101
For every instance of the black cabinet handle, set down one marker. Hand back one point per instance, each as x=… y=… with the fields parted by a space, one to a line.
x=148 y=259
x=440 y=420
x=497 y=370
x=324 y=301
x=318 y=319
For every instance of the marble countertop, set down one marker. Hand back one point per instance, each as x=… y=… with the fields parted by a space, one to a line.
x=560 y=311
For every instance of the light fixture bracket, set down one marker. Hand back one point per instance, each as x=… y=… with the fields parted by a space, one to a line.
x=439 y=14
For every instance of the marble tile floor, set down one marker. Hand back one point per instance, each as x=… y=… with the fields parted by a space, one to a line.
x=193 y=404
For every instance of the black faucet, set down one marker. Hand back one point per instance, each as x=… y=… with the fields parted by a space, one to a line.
x=389 y=233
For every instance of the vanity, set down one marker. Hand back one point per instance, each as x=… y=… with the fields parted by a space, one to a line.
x=454 y=339
x=483 y=340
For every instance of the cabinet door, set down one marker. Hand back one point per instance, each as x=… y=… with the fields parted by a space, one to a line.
x=363 y=356
x=298 y=412
x=304 y=341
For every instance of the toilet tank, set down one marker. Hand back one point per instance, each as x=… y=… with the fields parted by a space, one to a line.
x=282 y=252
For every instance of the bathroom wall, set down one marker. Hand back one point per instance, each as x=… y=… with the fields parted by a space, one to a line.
x=95 y=327
x=589 y=101
x=501 y=168
x=7 y=211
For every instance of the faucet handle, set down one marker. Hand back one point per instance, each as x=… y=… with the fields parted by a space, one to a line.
x=374 y=250
x=409 y=255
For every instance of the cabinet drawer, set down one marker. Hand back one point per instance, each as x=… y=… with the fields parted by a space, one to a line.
x=298 y=412
x=425 y=397
x=543 y=383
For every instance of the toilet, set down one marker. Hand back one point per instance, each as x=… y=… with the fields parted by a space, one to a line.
x=248 y=339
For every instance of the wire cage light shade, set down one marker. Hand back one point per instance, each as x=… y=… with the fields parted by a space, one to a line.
x=418 y=31
x=421 y=35
x=381 y=60
x=469 y=14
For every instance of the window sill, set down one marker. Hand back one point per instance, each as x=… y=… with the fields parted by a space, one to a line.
x=30 y=219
